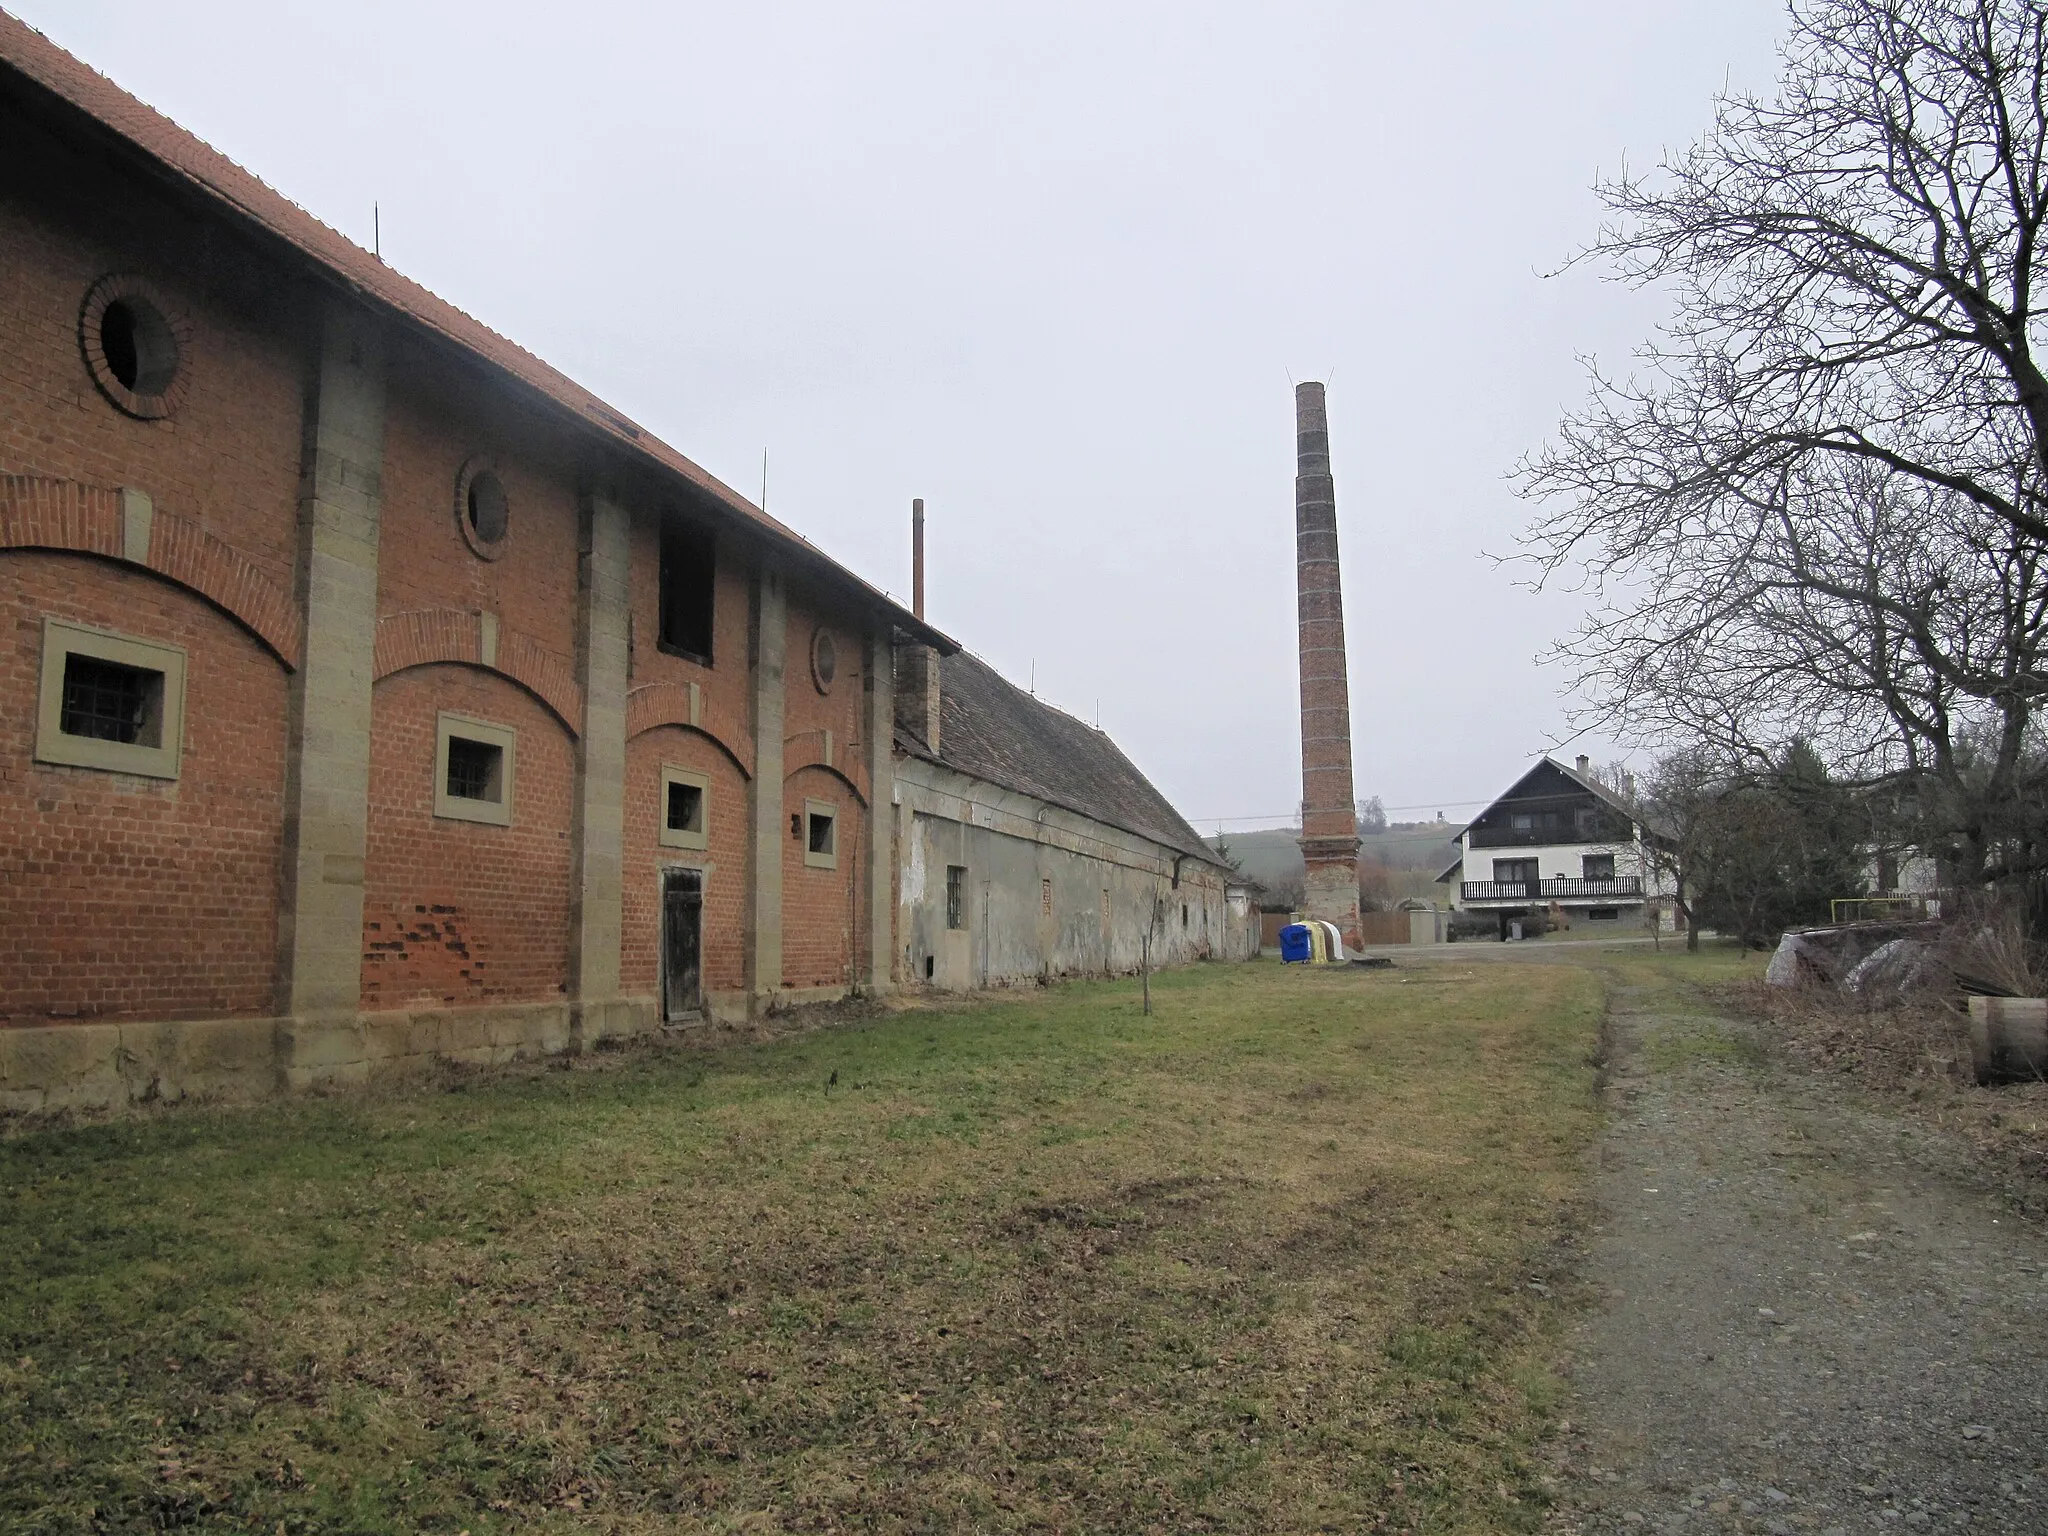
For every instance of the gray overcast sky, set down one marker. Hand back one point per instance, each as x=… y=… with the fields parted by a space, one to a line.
x=1050 y=267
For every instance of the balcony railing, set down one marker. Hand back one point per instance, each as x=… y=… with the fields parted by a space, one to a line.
x=1561 y=888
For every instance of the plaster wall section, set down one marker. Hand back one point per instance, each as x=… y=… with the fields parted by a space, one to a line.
x=1048 y=893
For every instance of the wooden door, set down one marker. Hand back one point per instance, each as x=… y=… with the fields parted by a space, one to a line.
x=682 y=944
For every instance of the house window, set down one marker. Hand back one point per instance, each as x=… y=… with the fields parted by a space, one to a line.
x=685 y=795
x=473 y=763
x=1045 y=898
x=821 y=832
x=956 y=896
x=1514 y=871
x=1522 y=821
x=689 y=567
x=111 y=702
x=1598 y=866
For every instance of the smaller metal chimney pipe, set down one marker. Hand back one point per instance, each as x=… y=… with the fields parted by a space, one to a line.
x=917 y=556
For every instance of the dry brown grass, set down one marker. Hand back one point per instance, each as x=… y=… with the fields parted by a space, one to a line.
x=1262 y=1262
x=1915 y=1052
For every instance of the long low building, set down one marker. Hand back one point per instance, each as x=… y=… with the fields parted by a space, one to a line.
x=1030 y=847
x=375 y=693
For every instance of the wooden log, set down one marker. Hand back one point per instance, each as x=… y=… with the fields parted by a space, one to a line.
x=2009 y=1038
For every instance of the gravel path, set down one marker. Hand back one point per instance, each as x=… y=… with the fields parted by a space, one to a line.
x=1814 y=1316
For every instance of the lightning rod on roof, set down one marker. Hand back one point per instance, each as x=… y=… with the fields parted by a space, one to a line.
x=377 y=231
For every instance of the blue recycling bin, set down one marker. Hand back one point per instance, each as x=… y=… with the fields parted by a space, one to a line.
x=1294 y=944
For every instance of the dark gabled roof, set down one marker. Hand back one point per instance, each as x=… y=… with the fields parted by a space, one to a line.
x=1450 y=870
x=991 y=729
x=191 y=165
x=1585 y=781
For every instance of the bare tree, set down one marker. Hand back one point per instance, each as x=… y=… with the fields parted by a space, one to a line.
x=1820 y=507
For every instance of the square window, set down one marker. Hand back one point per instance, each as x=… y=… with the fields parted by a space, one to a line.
x=1597 y=866
x=476 y=770
x=111 y=702
x=956 y=896
x=821 y=832
x=685 y=813
x=106 y=701
x=473 y=770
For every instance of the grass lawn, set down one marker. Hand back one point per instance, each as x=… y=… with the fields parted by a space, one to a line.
x=1261 y=1263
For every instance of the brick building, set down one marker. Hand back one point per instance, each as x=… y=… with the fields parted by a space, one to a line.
x=369 y=691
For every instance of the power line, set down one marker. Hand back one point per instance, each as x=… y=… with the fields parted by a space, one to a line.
x=1424 y=805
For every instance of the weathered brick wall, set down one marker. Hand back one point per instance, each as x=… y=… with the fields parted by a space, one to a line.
x=819 y=905
x=128 y=897
x=821 y=908
x=456 y=912
x=724 y=862
x=125 y=897
x=230 y=458
x=434 y=423
x=727 y=676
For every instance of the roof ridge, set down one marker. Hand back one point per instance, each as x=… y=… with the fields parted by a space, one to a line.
x=210 y=173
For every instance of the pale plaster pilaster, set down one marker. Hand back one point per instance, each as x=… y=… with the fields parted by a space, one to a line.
x=328 y=777
x=599 y=833
x=766 y=830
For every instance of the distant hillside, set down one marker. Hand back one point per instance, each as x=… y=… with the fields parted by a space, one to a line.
x=1274 y=858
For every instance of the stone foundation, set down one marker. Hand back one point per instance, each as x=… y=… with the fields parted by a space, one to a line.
x=109 y=1066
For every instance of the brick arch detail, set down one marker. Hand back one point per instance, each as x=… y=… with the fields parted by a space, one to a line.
x=653 y=705
x=808 y=751
x=429 y=635
x=39 y=513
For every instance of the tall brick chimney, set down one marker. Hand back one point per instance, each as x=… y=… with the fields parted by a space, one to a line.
x=917 y=666
x=1329 y=817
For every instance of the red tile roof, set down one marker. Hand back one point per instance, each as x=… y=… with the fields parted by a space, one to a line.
x=200 y=168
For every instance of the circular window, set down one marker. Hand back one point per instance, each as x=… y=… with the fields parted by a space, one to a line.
x=481 y=511
x=134 y=344
x=824 y=660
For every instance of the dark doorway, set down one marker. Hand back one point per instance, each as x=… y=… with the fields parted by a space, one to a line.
x=682 y=945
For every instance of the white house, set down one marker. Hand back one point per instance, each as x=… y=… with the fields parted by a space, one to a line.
x=1560 y=839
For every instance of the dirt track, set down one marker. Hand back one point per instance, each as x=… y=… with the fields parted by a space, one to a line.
x=1812 y=1315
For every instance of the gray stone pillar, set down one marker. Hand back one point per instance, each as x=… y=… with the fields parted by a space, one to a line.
x=599 y=836
x=327 y=785
x=878 y=728
x=766 y=830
